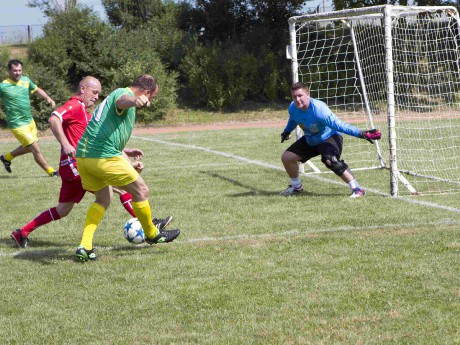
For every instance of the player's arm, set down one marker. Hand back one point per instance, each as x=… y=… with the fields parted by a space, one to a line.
x=137 y=155
x=45 y=96
x=127 y=101
x=58 y=132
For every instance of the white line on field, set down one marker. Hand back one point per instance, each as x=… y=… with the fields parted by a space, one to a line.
x=274 y=234
x=274 y=167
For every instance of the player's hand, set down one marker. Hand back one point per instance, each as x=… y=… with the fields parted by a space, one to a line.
x=142 y=101
x=138 y=165
x=285 y=136
x=51 y=103
x=134 y=153
x=69 y=150
x=372 y=134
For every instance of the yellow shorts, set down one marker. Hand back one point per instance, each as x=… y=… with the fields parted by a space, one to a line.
x=97 y=173
x=26 y=135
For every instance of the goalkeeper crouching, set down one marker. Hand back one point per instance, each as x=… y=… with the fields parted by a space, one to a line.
x=322 y=136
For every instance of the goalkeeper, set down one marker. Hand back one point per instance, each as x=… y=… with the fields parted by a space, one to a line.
x=322 y=136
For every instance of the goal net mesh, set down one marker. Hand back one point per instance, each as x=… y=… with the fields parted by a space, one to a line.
x=345 y=60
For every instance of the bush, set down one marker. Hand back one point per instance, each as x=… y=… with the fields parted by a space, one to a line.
x=225 y=77
x=77 y=44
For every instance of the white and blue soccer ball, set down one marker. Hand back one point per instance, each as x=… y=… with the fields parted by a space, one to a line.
x=133 y=231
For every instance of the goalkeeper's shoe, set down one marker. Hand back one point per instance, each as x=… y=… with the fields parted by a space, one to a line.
x=6 y=163
x=83 y=254
x=21 y=241
x=164 y=236
x=290 y=190
x=162 y=223
x=55 y=174
x=357 y=193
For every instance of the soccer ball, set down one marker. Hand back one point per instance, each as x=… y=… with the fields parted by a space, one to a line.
x=133 y=231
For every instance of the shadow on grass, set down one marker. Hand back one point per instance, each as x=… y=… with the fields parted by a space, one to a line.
x=252 y=191
x=45 y=257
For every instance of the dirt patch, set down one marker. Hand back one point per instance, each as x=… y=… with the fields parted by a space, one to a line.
x=6 y=135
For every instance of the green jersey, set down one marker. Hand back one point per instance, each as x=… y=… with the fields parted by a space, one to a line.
x=16 y=99
x=109 y=129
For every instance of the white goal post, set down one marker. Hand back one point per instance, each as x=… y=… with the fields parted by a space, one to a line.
x=395 y=68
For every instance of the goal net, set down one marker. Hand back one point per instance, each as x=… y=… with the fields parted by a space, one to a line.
x=394 y=68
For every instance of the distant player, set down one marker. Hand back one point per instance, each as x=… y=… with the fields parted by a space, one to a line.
x=68 y=124
x=101 y=164
x=15 y=94
x=322 y=130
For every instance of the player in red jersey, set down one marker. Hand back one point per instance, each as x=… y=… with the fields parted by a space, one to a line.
x=68 y=123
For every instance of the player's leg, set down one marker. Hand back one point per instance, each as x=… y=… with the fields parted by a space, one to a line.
x=27 y=137
x=141 y=206
x=71 y=193
x=7 y=158
x=300 y=151
x=94 y=216
x=126 y=200
x=331 y=151
x=40 y=159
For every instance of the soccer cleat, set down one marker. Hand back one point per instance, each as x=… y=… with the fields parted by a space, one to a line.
x=162 y=223
x=55 y=174
x=84 y=255
x=357 y=193
x=21 y=241
x=164 y=236
x=290 y=190
x=6 y=164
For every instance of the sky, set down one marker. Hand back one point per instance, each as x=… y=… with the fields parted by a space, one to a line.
x=15 y=12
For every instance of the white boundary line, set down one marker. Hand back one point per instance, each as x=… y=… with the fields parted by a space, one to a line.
x=269 y=235
x=274 y=167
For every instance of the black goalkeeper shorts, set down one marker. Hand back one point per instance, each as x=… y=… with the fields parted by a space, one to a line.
x=332 y=146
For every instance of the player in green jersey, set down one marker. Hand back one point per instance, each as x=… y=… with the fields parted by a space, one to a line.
x=101 y=164
x=15 y=94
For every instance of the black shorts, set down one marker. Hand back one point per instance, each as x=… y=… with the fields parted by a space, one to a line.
x=332 y=146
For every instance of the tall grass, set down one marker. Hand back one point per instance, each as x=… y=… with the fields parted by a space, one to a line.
x=250 y=267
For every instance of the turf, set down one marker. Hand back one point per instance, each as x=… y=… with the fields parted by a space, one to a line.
x=250 y=267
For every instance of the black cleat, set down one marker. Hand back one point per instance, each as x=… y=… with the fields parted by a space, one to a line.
x=6 y=163
x=84 y=255
x=162 y=223
x=164 y=236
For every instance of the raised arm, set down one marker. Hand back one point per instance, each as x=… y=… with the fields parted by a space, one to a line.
x=45 y=96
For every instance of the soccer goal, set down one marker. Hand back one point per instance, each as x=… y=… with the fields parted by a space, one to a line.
x=394 y=68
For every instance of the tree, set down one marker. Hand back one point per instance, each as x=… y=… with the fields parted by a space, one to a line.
x=52 y=6
x=132 y=13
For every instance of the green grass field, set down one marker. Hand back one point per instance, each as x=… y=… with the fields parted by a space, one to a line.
x=250 y=267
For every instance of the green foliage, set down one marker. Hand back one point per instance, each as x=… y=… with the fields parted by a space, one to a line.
x=56 y=88
x=132 y=14
x=224 y=78
x=77 y=43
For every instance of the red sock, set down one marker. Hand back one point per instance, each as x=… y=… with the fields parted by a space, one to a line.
x=126 y=200
x=42 y=219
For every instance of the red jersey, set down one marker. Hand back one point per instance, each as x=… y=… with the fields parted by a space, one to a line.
x=74 y=118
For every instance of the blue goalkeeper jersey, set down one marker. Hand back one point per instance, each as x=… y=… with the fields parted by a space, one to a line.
x=318 y=122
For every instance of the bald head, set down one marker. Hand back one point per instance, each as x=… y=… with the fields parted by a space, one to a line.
x=88 y=90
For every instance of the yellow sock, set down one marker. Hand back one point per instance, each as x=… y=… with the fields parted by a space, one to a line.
x=144 y=214
x=9 y=157
x=50 y=171
x=93 y=217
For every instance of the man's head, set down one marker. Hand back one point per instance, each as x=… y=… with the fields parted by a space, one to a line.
x=145 y=85
x=15 y=69
x=300 y=95
x=88 y=90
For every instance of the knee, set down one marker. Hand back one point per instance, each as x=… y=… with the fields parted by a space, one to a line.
x=334 y=164
x=289 y=157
